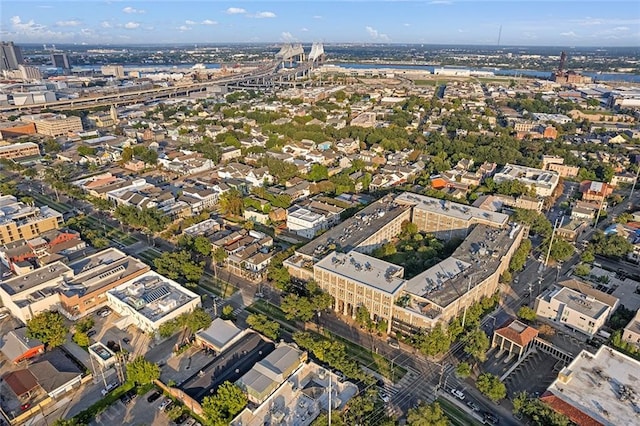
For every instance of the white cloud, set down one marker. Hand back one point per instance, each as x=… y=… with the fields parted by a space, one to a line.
x=209 y=22
x=287 y=36
x=130 y=9
x=45 y=6
x=236 y=11
x=569 y=34
x=190 y=22
x=26 y=27
x=184 y=28
x=441 y=2
x=375 y=34
x=620 y=29
x=261 y=15
x=317 y=17
x=132 y=25
x=106 y=24
x=70 y=23
x=406 y=25
x=304 y=29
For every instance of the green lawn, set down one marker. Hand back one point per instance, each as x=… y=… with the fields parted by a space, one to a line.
x=425 y=82
x=456 y=415
x=217 y=286
x=46 y=201
x=149 y=255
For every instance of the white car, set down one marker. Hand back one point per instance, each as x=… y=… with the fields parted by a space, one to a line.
x=384 y=397
x=109 y=388
x=458 y=394
x=163 y=404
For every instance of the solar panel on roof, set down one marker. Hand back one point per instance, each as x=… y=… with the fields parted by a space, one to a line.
x=155 y=294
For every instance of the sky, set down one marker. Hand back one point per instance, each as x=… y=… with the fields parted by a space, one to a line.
x=532 y=22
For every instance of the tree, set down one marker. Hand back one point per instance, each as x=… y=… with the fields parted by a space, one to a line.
x=81 y=339
x=582 y=270
x=262 y=324
x=546 y=330
x=224 y=405
x=463 y=370
x=476 y=344
x=142 y=372
x=68 y=422
x=227 y=313
x=363 y=317
x=297 y=307
x=427 y=415
x=202 y=245
x=560 y=249
x=177 y=265
x=219 y=255
x=526 y=313
x=588 y=256
x=197 y=319
x=84 y=324
x=231 y=203
x=174 y=412
x=318 y=172
x=519 y=258
x=612 y=245
x=491 y=386
x=49 y=328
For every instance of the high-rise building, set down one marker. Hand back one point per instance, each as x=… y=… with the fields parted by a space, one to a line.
x=10 y=56
x=29 y=73
x=60 y=60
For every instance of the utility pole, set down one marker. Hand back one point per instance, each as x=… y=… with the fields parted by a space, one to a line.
x=553 y=234
x=634 y=187
x=330 y=407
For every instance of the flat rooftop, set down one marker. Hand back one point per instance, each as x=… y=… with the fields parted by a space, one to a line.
x=101 y=269
x=481 y=250
x=219 y=333
x=451 y=209
x=352 y=232
x=612 y=380
x=434 y=278
x=230 y=365
x=366 y=270
x=153 y=295
x=52 y=273
x=582 y=303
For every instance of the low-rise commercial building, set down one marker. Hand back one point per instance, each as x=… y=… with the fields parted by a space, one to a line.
x=576 y=310
x=151 y=300
x=596 y=389
x=20 y=151
x=309 y=219
x=631 y=332
x=541 y=181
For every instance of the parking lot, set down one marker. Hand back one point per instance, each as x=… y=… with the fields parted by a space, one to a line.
x=534 y=374
x=108 y=329
x=137 y=412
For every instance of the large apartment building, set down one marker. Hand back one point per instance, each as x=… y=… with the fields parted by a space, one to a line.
x=54 y=125
x=19 y=221
x=354 y=278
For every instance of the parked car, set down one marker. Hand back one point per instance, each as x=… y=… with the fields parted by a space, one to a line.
x=183 y=418
x=384 y=397
x=109 y=388
x=126 y=340
x=25 y=406
x=393 y=343
x=190 y=422
x=91 y=333
x=105 y=312
x=164 y=404
x=154 y=396
x=489 y=418
x=458 y=394
x=168 y=406
x=473 y=406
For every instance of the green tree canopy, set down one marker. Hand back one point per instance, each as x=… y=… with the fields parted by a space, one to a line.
x=142 y=372
x=463 y=370
x=48 y=327
x=491 y=386
x=427 y=415
x=476 y=344
x=526 y=313
x=297 y=307
x=224 y=405
x=262 y=324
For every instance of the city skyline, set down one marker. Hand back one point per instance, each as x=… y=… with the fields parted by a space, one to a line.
x=532 y=23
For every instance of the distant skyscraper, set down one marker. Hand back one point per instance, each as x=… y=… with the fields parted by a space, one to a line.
x=60 y=60
x=10 y=56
